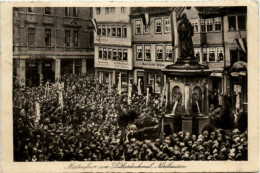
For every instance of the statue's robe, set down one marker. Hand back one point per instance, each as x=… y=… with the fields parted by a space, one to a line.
x=185 y=30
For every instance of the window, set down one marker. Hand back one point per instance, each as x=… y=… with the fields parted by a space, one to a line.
x=47 y=37
x=108 y=30
x=124 y=31
x=67 y=11
x=99 y=30
x=194 y=23
x=120 y=55
x=107 y=10
x=98 y=10
x=123 y=9
x=125 y=55
x=168 y=52
x=67 y=38
x=147 y=50
x=197 y=52
x=138 y=26
x=104 y=30
x=203 y=26
x=159 y=53
x=220 y=54
x=100 y=52
x=30 y=9
x=209 y=24
x=211 y=52
x=76 y=38
x=112 y=9
x=241 y=22
x=205 y=53
x=113 y=30
x=75 y=11
x=232 y=23
x=31 y=37
x=158 y=25
x=217 y=22
x=167 y=25
x=47 y=10
x=105 y=53
x=114 y=54
x=237 y=23
x=119 y=31
x=109 y=54
x=139 y=52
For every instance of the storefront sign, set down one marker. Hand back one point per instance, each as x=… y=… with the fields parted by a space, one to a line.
x=113 y=64
x=152 y=65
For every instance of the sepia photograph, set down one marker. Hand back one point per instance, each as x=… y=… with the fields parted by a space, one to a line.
x=130 y=83
x=124 y=84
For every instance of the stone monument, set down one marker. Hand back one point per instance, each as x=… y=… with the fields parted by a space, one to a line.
x=187 y=83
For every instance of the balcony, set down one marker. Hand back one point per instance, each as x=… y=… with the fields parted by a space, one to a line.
x=48 y=20
x=31 y=19
x=72 y=22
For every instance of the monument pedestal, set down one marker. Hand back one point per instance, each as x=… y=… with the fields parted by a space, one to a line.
x=174 y=121
x=199 y=123
x=187 y=124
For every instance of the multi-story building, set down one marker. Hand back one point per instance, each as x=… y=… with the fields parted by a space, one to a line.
x=113 y=45
x=235 y=41
x=152 y=45
x=49 y=42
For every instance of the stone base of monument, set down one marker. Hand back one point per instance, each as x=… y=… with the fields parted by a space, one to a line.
x=192 y=124
x=187 y=124
x=199 y=122
x=174 y=121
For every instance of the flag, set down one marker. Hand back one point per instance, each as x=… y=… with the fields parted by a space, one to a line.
x=241 y=44
x=166 y=99
x=146 y=19
x=94 y=24
x=37 y=112
x=129 y=101
x=162 y=96
x=139 y=87
x=47 y=89
x=119 y=85
x=61 y=100
x=147 y=96
x=109 y=83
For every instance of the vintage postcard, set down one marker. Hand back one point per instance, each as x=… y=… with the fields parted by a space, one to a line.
x=130 y=86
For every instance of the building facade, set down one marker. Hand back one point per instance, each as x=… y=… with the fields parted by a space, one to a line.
x=49 y=42
x=152 y=45
x=235 y=41
x=113 y=46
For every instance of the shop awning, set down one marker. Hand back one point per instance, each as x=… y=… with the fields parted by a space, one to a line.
x=239 y=66
x=216 y=74
x=236 y=74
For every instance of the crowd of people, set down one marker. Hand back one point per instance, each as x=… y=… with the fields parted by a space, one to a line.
x=85 y=127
